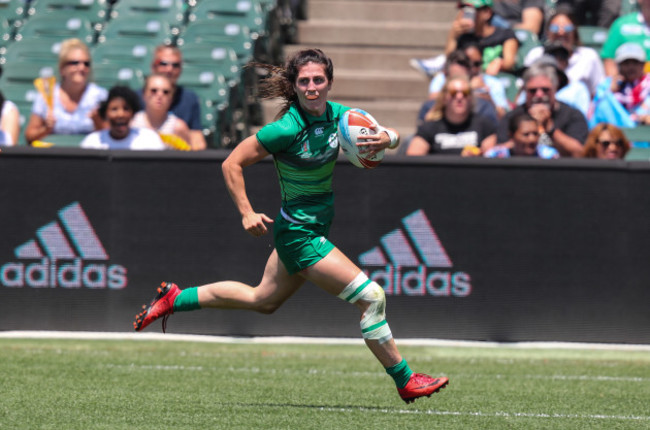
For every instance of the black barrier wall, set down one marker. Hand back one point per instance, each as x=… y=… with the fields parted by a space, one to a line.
x=503 y=250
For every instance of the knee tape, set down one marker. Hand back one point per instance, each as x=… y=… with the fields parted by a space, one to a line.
x=373 y=321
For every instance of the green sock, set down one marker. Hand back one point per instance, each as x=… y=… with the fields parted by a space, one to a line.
x=401 y=373
x=187 y=300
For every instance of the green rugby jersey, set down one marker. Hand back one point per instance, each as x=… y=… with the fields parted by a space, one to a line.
x=627 y=28
x=304 y=149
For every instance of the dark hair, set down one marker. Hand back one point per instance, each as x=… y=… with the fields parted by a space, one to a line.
x=468 y=40
x=281 y=79
x=123 y=92
x=516 y=120
x=457 y=57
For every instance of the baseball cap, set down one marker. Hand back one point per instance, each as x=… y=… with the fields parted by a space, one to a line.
x=630 y=51
x=477 y=3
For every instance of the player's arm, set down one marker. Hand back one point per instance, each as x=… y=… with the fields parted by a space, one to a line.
x=248 y=152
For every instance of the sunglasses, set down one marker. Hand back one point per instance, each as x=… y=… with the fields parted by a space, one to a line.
x=77 y=62
x=168 y=63
x=533 y=90
x=606 y=143
x=156 y=90
x=453 y=93
x=554 y=28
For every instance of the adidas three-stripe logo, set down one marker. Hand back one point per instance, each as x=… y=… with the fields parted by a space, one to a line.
x=405 y=258
x=63 y=249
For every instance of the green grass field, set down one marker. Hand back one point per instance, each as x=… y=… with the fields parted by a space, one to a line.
x=128 y=384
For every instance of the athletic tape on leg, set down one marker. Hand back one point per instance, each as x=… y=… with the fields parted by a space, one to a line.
x=373 y=322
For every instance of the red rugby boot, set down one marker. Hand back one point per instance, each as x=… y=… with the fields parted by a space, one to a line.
x=161 y=306
x=421 y=385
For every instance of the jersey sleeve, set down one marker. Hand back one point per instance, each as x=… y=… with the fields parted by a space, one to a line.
x=278 y=135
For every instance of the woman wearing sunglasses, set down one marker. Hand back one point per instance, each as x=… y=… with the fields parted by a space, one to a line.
x=607 y=142
x=157 y=94
x=584 y=63
x=73 y=106
x=451 y=127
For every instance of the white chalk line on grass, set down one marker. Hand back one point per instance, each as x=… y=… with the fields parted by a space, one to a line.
x=497 y=414
x=181 y=367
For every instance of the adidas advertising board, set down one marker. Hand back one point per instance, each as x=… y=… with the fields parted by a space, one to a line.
x=411 y=261
x=65 y=253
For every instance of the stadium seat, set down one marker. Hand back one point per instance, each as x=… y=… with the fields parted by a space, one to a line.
x=527 y=41
x=223 y=59
x=220 y=32
x=57 y=25
x=127 y=52
x=37 y=49
x=6 y=35
x=639 y=136
x=61 y=140
x=95 y=11
x=171 y=11
x=108 y=75
x=592 y=36
x=13 y=10
x=511 y=84
x=142 y=28
x=24 y=72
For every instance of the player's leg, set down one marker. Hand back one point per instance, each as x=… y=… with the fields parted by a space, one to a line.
x=276 y=286
x=339 y=276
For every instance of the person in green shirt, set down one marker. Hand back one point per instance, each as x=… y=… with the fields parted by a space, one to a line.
x=304 y=145
x=633 y=27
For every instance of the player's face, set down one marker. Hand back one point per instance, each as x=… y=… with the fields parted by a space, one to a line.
x=525 y=138
x=169 y=64
x=312 y=88
x=608 y=147
x=119 y=115
x=158 y=94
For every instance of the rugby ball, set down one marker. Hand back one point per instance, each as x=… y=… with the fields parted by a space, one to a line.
x=355 y=123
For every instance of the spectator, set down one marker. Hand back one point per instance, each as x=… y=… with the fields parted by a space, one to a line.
x=601 y=13
x=633 y=27
x=118 y=111
x=561 y=126
x=73 y=109
x=625 y=99
x=458 y=63
x=584 y=63
x=486 y=87
x=499 y=45
x=606 y=141
x=520 y=14
x=524 y=140
x=573 y=93
x=157 y=93
x=451 y=127
x=168 y=60
x=9 y=122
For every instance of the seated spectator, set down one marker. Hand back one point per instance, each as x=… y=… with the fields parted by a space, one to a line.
x=73 y=107
x=486 y=87
x=561 y=126
x=157 y=93
x=606 y=141
x=601 y=13
x=520 y=14
x=497 y=42
x=584 y=63
x=168 y=60
x=458 y=63
x=451 y=127
x=118 y=111
x=499 y=45
x=625 y=99
x=573 y=93
x=9 y=122
x=524 y=140
x=632 y=27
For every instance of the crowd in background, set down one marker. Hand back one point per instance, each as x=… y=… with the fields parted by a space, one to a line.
x=573 y=95
x=572 y=100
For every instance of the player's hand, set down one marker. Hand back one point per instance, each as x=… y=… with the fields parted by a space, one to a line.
x=373 y=143
x=254 y=223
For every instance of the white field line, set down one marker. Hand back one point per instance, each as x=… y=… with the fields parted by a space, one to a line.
x=175 y=367
x=27 y=334
x=498 y=414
